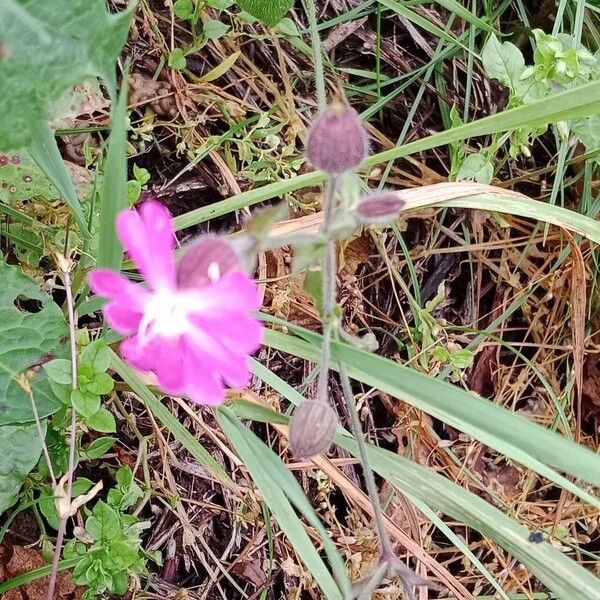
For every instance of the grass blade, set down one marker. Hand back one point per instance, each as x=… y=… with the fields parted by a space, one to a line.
x=582 y=101
x=44 y=150
x=113 y=194
x=558 y=572
x=260 y=460
x=528 y=443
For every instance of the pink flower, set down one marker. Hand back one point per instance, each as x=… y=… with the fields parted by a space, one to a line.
x=191 y=327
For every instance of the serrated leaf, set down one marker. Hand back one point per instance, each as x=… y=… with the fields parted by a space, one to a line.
x=49 y=47
x=25 y=337
x=270 y=12
x=20 y=450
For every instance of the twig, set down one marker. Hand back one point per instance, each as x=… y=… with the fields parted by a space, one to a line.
x=65 y=268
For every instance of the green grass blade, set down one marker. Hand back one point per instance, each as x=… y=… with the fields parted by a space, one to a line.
x=582 y=101
x=113 y=194
x=558 y=572
x=164 y=415
x=460 y=11
x=421 y=22
x=44 y=150
x=528 y=443
x=258 y=460
x=34 y=574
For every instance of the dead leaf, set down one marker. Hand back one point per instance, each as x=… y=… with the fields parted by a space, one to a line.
x=17 y=560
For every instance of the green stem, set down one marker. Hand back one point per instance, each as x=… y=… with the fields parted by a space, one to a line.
x=313 y=26
x=329 y=287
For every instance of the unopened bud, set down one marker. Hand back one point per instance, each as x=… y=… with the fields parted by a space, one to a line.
x=312 y=429
x=205 y=261
x=380 y=208
x=337 y=142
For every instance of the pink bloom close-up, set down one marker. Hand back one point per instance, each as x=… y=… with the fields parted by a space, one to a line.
x=194 y=333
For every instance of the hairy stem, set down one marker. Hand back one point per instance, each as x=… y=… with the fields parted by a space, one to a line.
x=329 y=288
x=73 y=430
x=313 y=26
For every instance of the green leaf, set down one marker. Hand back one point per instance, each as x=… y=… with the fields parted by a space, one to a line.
x=177 y=59
x=44 y=150
x=270 y=12
x=503 y=61
x=101 y=384
x=85 y=403
x=588 y=132
x=20 y=450
x=21 y=179
x=102 y=420
x=104 y=523
x=313 y=286
x=213 y=29
x=307 y=256
x=59 y=371
x=183 y=9
x=97 y=356
x=49 y=47
x=98 y=448
x=25 y=337
x=113 y=195
x=476 y=167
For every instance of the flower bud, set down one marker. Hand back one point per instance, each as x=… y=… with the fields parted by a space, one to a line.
x=312 y=428
x=205 y=261
x=337 y=141
x=380 y=208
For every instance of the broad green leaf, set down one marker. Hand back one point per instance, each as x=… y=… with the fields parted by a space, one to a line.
x=213 y=29
x=49 y=47
x=31 y=326
x=98 y=448
x=503 y=61
x=183 y=9
x=476 y=167
x=60 y=371
x=104 y=523
x=177 y=59
x=270 y=12
x=20 y=450
x=21 y=179
x=85 y=403
x=588 y=132
x=96 y=355
x=102 y=420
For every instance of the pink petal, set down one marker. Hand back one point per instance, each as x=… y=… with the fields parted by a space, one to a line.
x=171 y=365
x=142 y=358
x=121 y=318
x=203 y=383
x=232 y=330
x=232 y=366
x=233 y=293
x=127 y=299
x=149 y=238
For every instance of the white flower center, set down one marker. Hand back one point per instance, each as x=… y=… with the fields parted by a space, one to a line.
x=166 y=314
